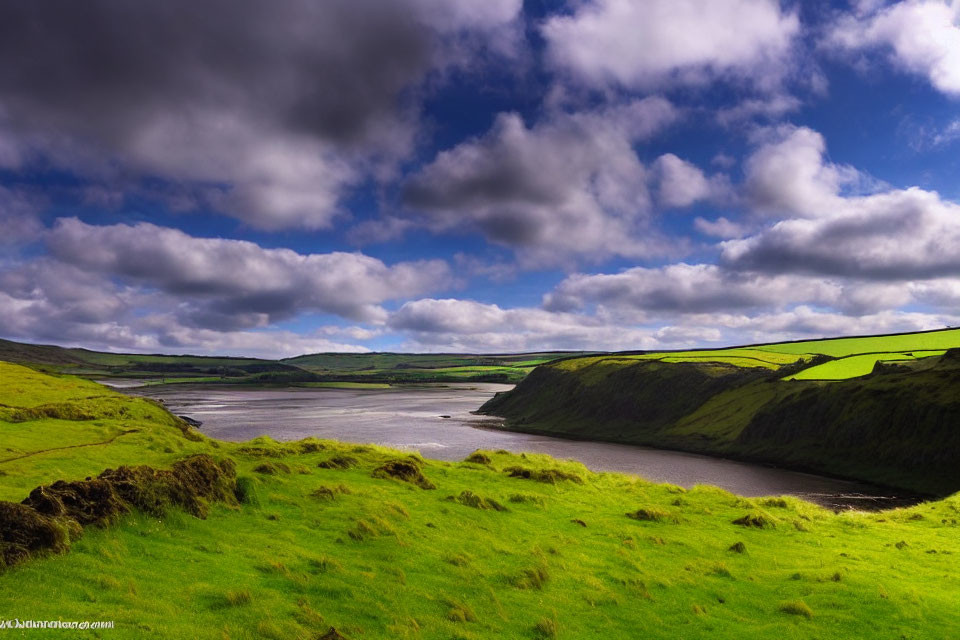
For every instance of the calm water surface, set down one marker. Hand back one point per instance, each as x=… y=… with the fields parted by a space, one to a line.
x=411 y=418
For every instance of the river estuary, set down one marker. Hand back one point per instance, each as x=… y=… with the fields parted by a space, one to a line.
x=415 y=418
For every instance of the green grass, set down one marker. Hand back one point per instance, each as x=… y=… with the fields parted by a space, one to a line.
x=857 y=355
x=375 y=557
x=320 y=369
x=853 y=366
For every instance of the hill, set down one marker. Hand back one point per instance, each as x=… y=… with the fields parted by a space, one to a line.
x=197 y=538
x=315 y=369
x=893 y=418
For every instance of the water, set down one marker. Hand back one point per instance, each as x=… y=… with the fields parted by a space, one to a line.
x=411 y=418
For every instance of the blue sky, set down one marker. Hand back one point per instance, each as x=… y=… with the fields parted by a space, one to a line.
x=423 y=175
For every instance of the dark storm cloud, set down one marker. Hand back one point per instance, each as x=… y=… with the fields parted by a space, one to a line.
x=274 y=104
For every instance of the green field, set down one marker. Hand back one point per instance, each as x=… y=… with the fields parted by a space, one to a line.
x=322 y=369
x=316 y=539
x=848 y=357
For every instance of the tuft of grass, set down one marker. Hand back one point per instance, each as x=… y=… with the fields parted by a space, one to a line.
x=459 y=612
x=532 y=578
x=549 y=476
x=547 y=628
x=526 y=498
x=248 y=491
x=338 y=462
x=238 y=597
x=650 y=514
x=470 y=499
x=478 y=457
x=756 y=521
x=796 y=608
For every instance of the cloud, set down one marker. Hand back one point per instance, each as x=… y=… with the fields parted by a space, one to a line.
x=720 y=228
x=787 y=174
x=44 y=300
x=920 y=37
x=476 y=327
x=686 y=289
x=234 y=283
x=639 y=45
x=571 y=185
x=19 y=218
x=681 y=184
x=900 y=235
x=265 y=111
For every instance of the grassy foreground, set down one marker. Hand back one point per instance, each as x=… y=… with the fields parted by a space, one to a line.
x=504 y=546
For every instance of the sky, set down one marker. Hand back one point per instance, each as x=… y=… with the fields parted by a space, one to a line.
x=278 y=177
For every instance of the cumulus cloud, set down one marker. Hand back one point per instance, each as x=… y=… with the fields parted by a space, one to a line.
x=44 y=300
x=470 y=326
x=570 y=185
x=899 y=235
x=681 y=184
x=233 y=283
x=639 y=45
x=720 y=228
x=687 y=288
x=787 y=174
x=265 y=111
x=19 y=218
x=919 y=36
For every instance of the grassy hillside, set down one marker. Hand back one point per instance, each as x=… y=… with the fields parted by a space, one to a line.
x=826 y=359
x=319 y=535
x=896 y=426
x=312 y=370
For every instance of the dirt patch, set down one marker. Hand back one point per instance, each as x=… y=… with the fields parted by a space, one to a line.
x=338 y=462
x=550 y=476
x=404 y=470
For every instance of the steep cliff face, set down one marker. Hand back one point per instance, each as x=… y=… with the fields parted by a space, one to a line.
x=897 y=426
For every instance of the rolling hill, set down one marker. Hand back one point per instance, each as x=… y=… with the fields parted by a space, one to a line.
x=885 y=409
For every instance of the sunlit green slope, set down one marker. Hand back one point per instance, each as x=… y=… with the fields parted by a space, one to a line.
x=321 y=535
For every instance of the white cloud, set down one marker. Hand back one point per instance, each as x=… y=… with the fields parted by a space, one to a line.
x=234 y=281
x=638 y=45
x=570 y=186
x=720 y=228
x=921 y=36
x=681 y=184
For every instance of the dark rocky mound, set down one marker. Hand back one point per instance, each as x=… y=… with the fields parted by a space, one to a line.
x=53 y=515
x=407 y=470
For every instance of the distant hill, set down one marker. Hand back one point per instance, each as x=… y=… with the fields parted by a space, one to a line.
x=319 y=368
x=885 y=409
